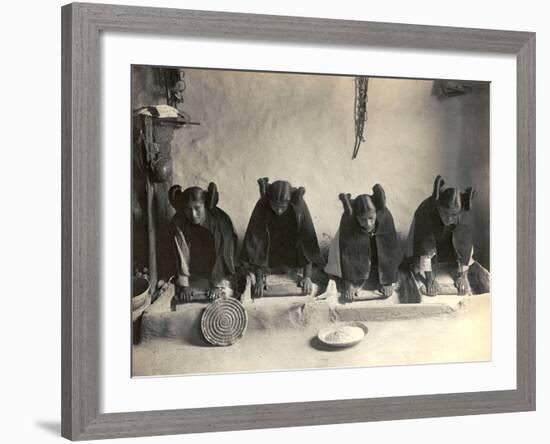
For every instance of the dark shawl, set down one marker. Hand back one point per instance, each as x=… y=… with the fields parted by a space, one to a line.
x=220 y=226
x=256 y=240
x=356 y=255
x=431 y=235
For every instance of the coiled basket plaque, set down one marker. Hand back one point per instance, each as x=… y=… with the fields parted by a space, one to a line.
x=224 y=321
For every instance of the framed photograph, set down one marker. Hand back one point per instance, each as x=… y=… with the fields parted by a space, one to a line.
x=273 y=221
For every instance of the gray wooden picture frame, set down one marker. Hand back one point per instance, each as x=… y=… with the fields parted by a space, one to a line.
x=81 y=247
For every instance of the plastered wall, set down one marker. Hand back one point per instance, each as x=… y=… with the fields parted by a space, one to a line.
x=300 y=128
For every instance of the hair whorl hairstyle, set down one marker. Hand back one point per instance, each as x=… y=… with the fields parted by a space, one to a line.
x=450 y=198
x=179 y=198
x=379 y=196
x=438 y=187
x=363 y=204
x=212 y=196
x=467 y=198
x=279 y=191
x=346 y=202
x=263 y=182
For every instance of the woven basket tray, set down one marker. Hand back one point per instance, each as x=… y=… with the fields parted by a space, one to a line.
x=224 y=321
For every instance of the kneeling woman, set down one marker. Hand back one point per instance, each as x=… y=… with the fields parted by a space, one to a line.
x=365 y=246
x=441 y=231
x=204 y=240
x=280 y=235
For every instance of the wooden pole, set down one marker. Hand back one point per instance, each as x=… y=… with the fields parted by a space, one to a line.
x=151 y=228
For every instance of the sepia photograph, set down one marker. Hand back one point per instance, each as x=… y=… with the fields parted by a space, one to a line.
x=267 y=222
x=290 y=221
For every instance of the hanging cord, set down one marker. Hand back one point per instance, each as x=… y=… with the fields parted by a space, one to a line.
x=361 y=86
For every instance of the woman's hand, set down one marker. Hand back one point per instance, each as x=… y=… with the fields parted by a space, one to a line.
x=183 y=293
x=462 y=284
x=350 y=292
x=307 y=285
x=386 y=290
x=259 y=286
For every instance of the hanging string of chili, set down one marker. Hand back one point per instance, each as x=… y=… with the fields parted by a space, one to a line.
x=361 y=86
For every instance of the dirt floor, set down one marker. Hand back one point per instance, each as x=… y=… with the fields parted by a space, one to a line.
x=462 y=336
